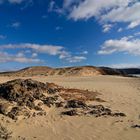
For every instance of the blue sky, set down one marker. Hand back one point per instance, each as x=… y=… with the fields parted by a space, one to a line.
x=61 y=33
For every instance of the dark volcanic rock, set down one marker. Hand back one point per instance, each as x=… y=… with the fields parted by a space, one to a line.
x=100 y=110
x=24 y=98
x=22 y=95
x=50 y=101
x=75 y=104
x=94 y=110
x=135 y=126
x=119 y=114
x=70 y=113
x=22 y=91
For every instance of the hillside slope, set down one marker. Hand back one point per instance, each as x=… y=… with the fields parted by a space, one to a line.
x=69 y=71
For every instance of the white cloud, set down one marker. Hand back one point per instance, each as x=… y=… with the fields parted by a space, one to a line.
x=6 y=57
x=36 y=49
x=127 y=14
x=105 y=11
x=107 y=27
x=76 y=59
x=133 y=24
x=48 y=49
x=90 y=8
x=126 y=45
x=125 y=65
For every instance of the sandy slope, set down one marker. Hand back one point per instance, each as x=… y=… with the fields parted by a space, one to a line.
x=122 y=94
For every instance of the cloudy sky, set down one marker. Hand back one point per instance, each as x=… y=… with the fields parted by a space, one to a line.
x=60 y=33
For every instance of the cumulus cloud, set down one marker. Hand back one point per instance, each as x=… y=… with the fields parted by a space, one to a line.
x=48 y=49
x=6 y=57
x=106 y=11
x=90 y=8
x=128 y=45
x=35 y=49
x=128 y=14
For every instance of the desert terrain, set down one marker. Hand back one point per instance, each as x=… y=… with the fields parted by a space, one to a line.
x=120 y=94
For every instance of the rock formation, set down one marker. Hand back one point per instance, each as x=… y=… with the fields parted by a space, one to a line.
x=20 y=99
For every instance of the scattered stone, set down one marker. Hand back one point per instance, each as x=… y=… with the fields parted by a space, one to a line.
x=135 y=126
x=119 y=115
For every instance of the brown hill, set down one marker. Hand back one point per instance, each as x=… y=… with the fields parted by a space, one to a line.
x=68 y=71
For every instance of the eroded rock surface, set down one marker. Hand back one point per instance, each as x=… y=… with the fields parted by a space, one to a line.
x=28 y=98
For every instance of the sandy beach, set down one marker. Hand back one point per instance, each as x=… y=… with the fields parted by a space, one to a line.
x=119 y=93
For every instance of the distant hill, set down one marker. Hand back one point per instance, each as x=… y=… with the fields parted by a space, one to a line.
x=130 y=71
x=68 y=71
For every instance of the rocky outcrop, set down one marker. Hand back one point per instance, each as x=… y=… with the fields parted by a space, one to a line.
x=21 y=99
x=25 y=97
